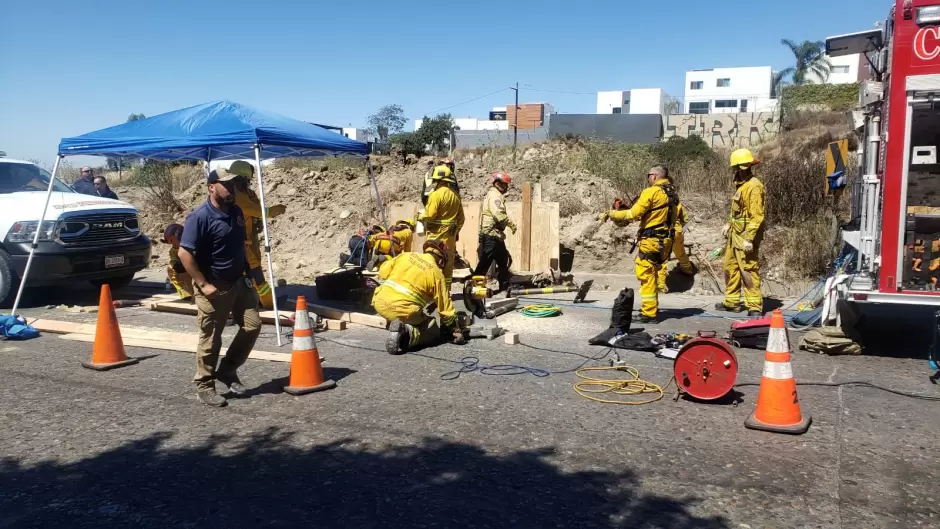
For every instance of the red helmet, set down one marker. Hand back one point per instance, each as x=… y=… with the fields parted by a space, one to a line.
x=501 y=176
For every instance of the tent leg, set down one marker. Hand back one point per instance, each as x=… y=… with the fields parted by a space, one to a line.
x=378 y=197
x=267 y=245
x=32 y=249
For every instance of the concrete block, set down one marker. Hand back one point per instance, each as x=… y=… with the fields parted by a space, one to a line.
x=335 y=325
x=511 y=338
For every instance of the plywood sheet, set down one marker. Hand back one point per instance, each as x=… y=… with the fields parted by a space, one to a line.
x=546 y=224
x=469 y=235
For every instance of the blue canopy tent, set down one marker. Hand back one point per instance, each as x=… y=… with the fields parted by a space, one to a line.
x=222 y=130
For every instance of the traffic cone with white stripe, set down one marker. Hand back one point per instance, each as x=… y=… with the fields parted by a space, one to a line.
x=306 y=372
x=778 y=406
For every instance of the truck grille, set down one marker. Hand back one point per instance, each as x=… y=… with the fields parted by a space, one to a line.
x=98 y=228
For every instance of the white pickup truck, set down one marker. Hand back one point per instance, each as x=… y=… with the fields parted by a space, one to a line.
x=84 y=238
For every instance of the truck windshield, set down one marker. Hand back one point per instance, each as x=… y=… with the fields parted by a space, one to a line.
x=17 y=177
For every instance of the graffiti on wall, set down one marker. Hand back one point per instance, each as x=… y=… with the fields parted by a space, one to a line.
x=724 y=130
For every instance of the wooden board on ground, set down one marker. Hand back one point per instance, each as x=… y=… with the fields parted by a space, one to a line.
x=267 y=316
x=141 y=337
x=180 y=347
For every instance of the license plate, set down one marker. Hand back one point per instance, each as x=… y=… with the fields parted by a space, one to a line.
x=110 y=261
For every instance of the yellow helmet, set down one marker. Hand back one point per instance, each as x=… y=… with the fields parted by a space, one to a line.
x=444 y=174
x=408 y=222
x=436 y=249
x=743 y=157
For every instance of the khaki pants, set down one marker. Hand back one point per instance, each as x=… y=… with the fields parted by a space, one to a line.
x=239 y=300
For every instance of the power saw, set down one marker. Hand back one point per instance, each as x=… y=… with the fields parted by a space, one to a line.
x=476 y=294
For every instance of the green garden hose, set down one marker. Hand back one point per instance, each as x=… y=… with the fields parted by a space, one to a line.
x=541 y=311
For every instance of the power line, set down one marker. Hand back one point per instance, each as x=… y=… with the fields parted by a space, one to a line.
x=558 y=91
x=464 y=103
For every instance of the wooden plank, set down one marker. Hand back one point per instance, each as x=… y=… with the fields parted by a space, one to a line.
x=267 y=316
x=546 y=223
x=178 y=346
x=469 y=234
x=525 y=227
x=514 y=241
x=536 y=193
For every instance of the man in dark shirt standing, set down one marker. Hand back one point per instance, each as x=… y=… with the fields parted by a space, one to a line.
x=212 y=251
x=85 y=183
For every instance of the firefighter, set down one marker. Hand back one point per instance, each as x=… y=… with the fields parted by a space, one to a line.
x=678 y=246
x=386 y=244
x=443 y=216
x=743 y=233
x=493 y=224
x=655 y=209
x=427 y=185
x=175 y=272
x=412 y=286
x=250 y=205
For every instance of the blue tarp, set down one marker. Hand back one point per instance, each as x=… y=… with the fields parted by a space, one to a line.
x=222 y=130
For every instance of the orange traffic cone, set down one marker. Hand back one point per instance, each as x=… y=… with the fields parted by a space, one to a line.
x=778 y=406
x=108 y=351
x=306 y=373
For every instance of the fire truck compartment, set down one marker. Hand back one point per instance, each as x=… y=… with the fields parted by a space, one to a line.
x=921 y=249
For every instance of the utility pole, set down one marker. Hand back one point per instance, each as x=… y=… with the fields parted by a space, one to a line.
x=515 y=124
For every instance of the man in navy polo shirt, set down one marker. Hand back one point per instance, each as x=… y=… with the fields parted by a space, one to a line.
x=212 y=251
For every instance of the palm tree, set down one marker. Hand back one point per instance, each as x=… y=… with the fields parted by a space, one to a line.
x=811 y=61
x=779 y=81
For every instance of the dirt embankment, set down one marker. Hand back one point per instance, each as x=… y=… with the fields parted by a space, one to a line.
x=329 y=200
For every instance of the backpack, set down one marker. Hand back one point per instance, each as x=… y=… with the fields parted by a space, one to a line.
x=16 y=328
x=621 y=316
x=751 y=334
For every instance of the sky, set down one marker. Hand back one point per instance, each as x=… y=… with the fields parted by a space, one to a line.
x=70 y=67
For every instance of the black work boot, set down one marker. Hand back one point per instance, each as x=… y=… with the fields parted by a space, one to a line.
x=210 y=397
x=728 y=308
x=399 y=338
x=227 y=375
x=646 y=319
x=755 y=313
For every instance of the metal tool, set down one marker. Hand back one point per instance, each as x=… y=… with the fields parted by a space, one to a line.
x=579 y=298
x=475 y=295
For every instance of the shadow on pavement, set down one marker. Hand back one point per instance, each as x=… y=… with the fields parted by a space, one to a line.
x=276 y=386
x=267 y=480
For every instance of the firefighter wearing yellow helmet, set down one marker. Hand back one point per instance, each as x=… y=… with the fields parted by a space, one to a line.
x=250 y=205
x=412 y=283
x=443 y=216
x=656 y=210
x=743 y=233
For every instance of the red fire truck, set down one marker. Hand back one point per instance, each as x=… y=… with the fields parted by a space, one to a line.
x=896 y=199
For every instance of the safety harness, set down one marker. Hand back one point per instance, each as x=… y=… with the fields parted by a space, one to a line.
x=663 y=230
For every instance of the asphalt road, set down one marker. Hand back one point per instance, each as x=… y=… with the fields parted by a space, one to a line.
x=395 y=445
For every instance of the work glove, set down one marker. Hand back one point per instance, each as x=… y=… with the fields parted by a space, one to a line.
x=604 y=216
x=724 y=231
x=747 y=246
x=276 y=211
x=512 y=227
x=459 y=338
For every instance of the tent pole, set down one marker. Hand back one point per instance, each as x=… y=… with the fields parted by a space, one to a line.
x=378 y=197
x=32 y=249
x=267 y=244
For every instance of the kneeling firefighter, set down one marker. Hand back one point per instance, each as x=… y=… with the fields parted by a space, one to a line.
x=412 y=286
x=250 y=205
x=744 y=233
x=384 y=245
x=655 y=208
x=493 y=224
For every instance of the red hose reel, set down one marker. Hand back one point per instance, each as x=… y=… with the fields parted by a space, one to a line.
x=705 y=368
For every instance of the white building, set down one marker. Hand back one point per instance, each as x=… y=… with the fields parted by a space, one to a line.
x=636 y=101
x=356 y=134
x=846 y=69
x=729 y=90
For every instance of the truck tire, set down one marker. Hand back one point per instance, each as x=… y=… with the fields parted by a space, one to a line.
x=116 y=283
x=6 y=279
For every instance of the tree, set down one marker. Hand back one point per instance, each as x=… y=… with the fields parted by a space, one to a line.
x=135 y=117
x=389 y=119
x=436 y=131
x=779 y=81
x=114 y=164
x=811 y=62
x=405 y=143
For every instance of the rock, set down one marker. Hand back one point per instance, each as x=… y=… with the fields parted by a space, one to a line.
x=377 y=168
x=281 y=283
x=321 y=239
x=291 y=192
x=312 y=203
x=344 y=214
x=310 y=175
x=328 y=234
x=332 y=222
x=272 y=187
x=315 y=232
x=411 y=159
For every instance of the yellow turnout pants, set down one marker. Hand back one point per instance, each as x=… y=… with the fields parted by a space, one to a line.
x=253 y=253
x=684 y=263
x=742 y=274
x=391 y=306
x=648 y=263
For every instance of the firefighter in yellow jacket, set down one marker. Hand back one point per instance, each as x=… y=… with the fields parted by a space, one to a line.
x=678 y=247
x=744 y=232
x=394 y=241
x=443 y=216
x=250 y=205
x=175 y=272
x=655 y=209
x=412 y=284
x=493 y=223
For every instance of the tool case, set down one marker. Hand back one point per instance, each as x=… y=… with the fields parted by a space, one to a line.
x=750 y=334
